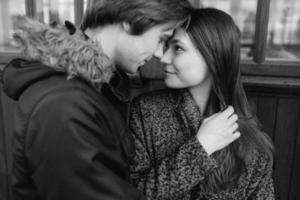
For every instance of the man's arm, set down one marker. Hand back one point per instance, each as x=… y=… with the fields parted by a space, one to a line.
x=73 y=151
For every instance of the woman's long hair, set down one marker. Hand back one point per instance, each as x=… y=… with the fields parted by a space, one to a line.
x=217 y=38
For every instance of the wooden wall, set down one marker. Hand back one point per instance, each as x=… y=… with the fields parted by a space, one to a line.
x=279 y=113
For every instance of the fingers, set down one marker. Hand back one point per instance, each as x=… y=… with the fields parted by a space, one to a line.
x=227 y=112
x=233 y=128
x=232 y=119
x=236 y=135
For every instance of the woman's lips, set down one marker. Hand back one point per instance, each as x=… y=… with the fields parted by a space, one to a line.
x=168 y=72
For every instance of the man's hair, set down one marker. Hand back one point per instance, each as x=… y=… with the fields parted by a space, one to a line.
x=140 y=14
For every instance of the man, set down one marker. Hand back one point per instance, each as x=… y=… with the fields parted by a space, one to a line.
x=71 y=140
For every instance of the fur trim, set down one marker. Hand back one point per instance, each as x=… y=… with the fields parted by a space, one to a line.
x=56 y=48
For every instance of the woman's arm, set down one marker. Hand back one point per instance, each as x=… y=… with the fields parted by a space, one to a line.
x=254 y=183
x=173 y=176
x=264 y=188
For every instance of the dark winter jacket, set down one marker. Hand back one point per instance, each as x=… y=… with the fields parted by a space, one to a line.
x=71 y=141
x=170 y=163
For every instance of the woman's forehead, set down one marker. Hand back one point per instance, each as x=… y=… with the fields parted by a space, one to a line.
x=180 y=35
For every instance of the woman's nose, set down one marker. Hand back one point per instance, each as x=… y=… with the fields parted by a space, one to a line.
x=159 y=51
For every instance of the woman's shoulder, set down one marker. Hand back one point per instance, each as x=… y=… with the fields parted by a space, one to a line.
x=258 y=160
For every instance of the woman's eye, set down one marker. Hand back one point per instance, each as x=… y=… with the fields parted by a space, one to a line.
x=178 y=48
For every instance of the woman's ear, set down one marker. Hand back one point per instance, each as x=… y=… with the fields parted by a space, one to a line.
x=126 y=27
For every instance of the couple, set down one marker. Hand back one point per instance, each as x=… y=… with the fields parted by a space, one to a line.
x=71 y=136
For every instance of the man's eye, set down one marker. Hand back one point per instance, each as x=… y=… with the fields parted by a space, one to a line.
x=166 y=46
x=162 y=40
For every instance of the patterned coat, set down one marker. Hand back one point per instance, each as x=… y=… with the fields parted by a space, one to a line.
x=170 y=163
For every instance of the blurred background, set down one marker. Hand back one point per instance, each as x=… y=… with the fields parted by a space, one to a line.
x=270 y=68
x=283 y=38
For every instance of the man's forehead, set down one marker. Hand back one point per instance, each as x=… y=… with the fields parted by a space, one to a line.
x=169 y=26
x=169 y=32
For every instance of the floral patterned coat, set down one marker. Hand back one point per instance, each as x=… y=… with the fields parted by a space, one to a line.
x=170 y=163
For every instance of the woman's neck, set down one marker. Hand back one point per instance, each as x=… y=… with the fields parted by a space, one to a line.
x=201 y=93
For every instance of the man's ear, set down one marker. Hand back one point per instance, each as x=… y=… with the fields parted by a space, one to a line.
x=126 y=27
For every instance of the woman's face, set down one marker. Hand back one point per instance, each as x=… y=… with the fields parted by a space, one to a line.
x=184 y=66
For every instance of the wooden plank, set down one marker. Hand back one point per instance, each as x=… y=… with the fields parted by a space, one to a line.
x=271 y=68
x=53 y=12
x=5 y=57
x=252 y=99
x=4 y=189
x=261 y=31
x=197 y=4
x=273 y=82
x=30 y=8
x=78 y=10
x=266 y=113
x=295 y=182
x=284 y=139
x=1 y=67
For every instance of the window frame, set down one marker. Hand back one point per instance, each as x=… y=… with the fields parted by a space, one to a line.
x=30 y=10
x=266 y=72
x=258 y=66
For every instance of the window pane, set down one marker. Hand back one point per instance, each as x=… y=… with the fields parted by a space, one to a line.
x=9 y=9
x=49 y=11
x=85 y=4
x=243 y=12
x=284 y=30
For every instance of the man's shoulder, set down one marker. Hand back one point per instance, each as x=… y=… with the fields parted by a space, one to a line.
x=56 y=88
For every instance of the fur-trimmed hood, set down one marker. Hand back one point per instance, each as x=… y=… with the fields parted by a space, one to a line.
x=62 y=48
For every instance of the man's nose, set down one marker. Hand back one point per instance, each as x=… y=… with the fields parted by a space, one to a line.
x=159 y=51
x=166 y=57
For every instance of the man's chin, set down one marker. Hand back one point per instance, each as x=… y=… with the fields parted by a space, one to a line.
x=136 y=74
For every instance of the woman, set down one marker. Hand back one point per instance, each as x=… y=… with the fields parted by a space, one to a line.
x=201 y=65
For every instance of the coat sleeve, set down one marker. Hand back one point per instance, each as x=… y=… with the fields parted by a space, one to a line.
x=74 y=151
x=254 y=183
x=264 y=187
x=175 y=175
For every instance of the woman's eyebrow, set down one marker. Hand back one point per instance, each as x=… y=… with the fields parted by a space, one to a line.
x=175 y=41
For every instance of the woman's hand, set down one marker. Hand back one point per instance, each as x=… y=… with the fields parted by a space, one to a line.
x=218 y=130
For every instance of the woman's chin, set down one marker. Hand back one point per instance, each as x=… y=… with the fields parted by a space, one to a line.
x=171 y=84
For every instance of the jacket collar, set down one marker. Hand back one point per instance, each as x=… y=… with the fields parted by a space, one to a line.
x=118 y=87
x=188 y=111
x=64 y=48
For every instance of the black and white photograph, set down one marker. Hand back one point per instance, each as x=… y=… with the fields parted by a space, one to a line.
x=149 y=99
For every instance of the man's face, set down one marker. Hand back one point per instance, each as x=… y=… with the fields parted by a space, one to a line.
x=133 y=51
